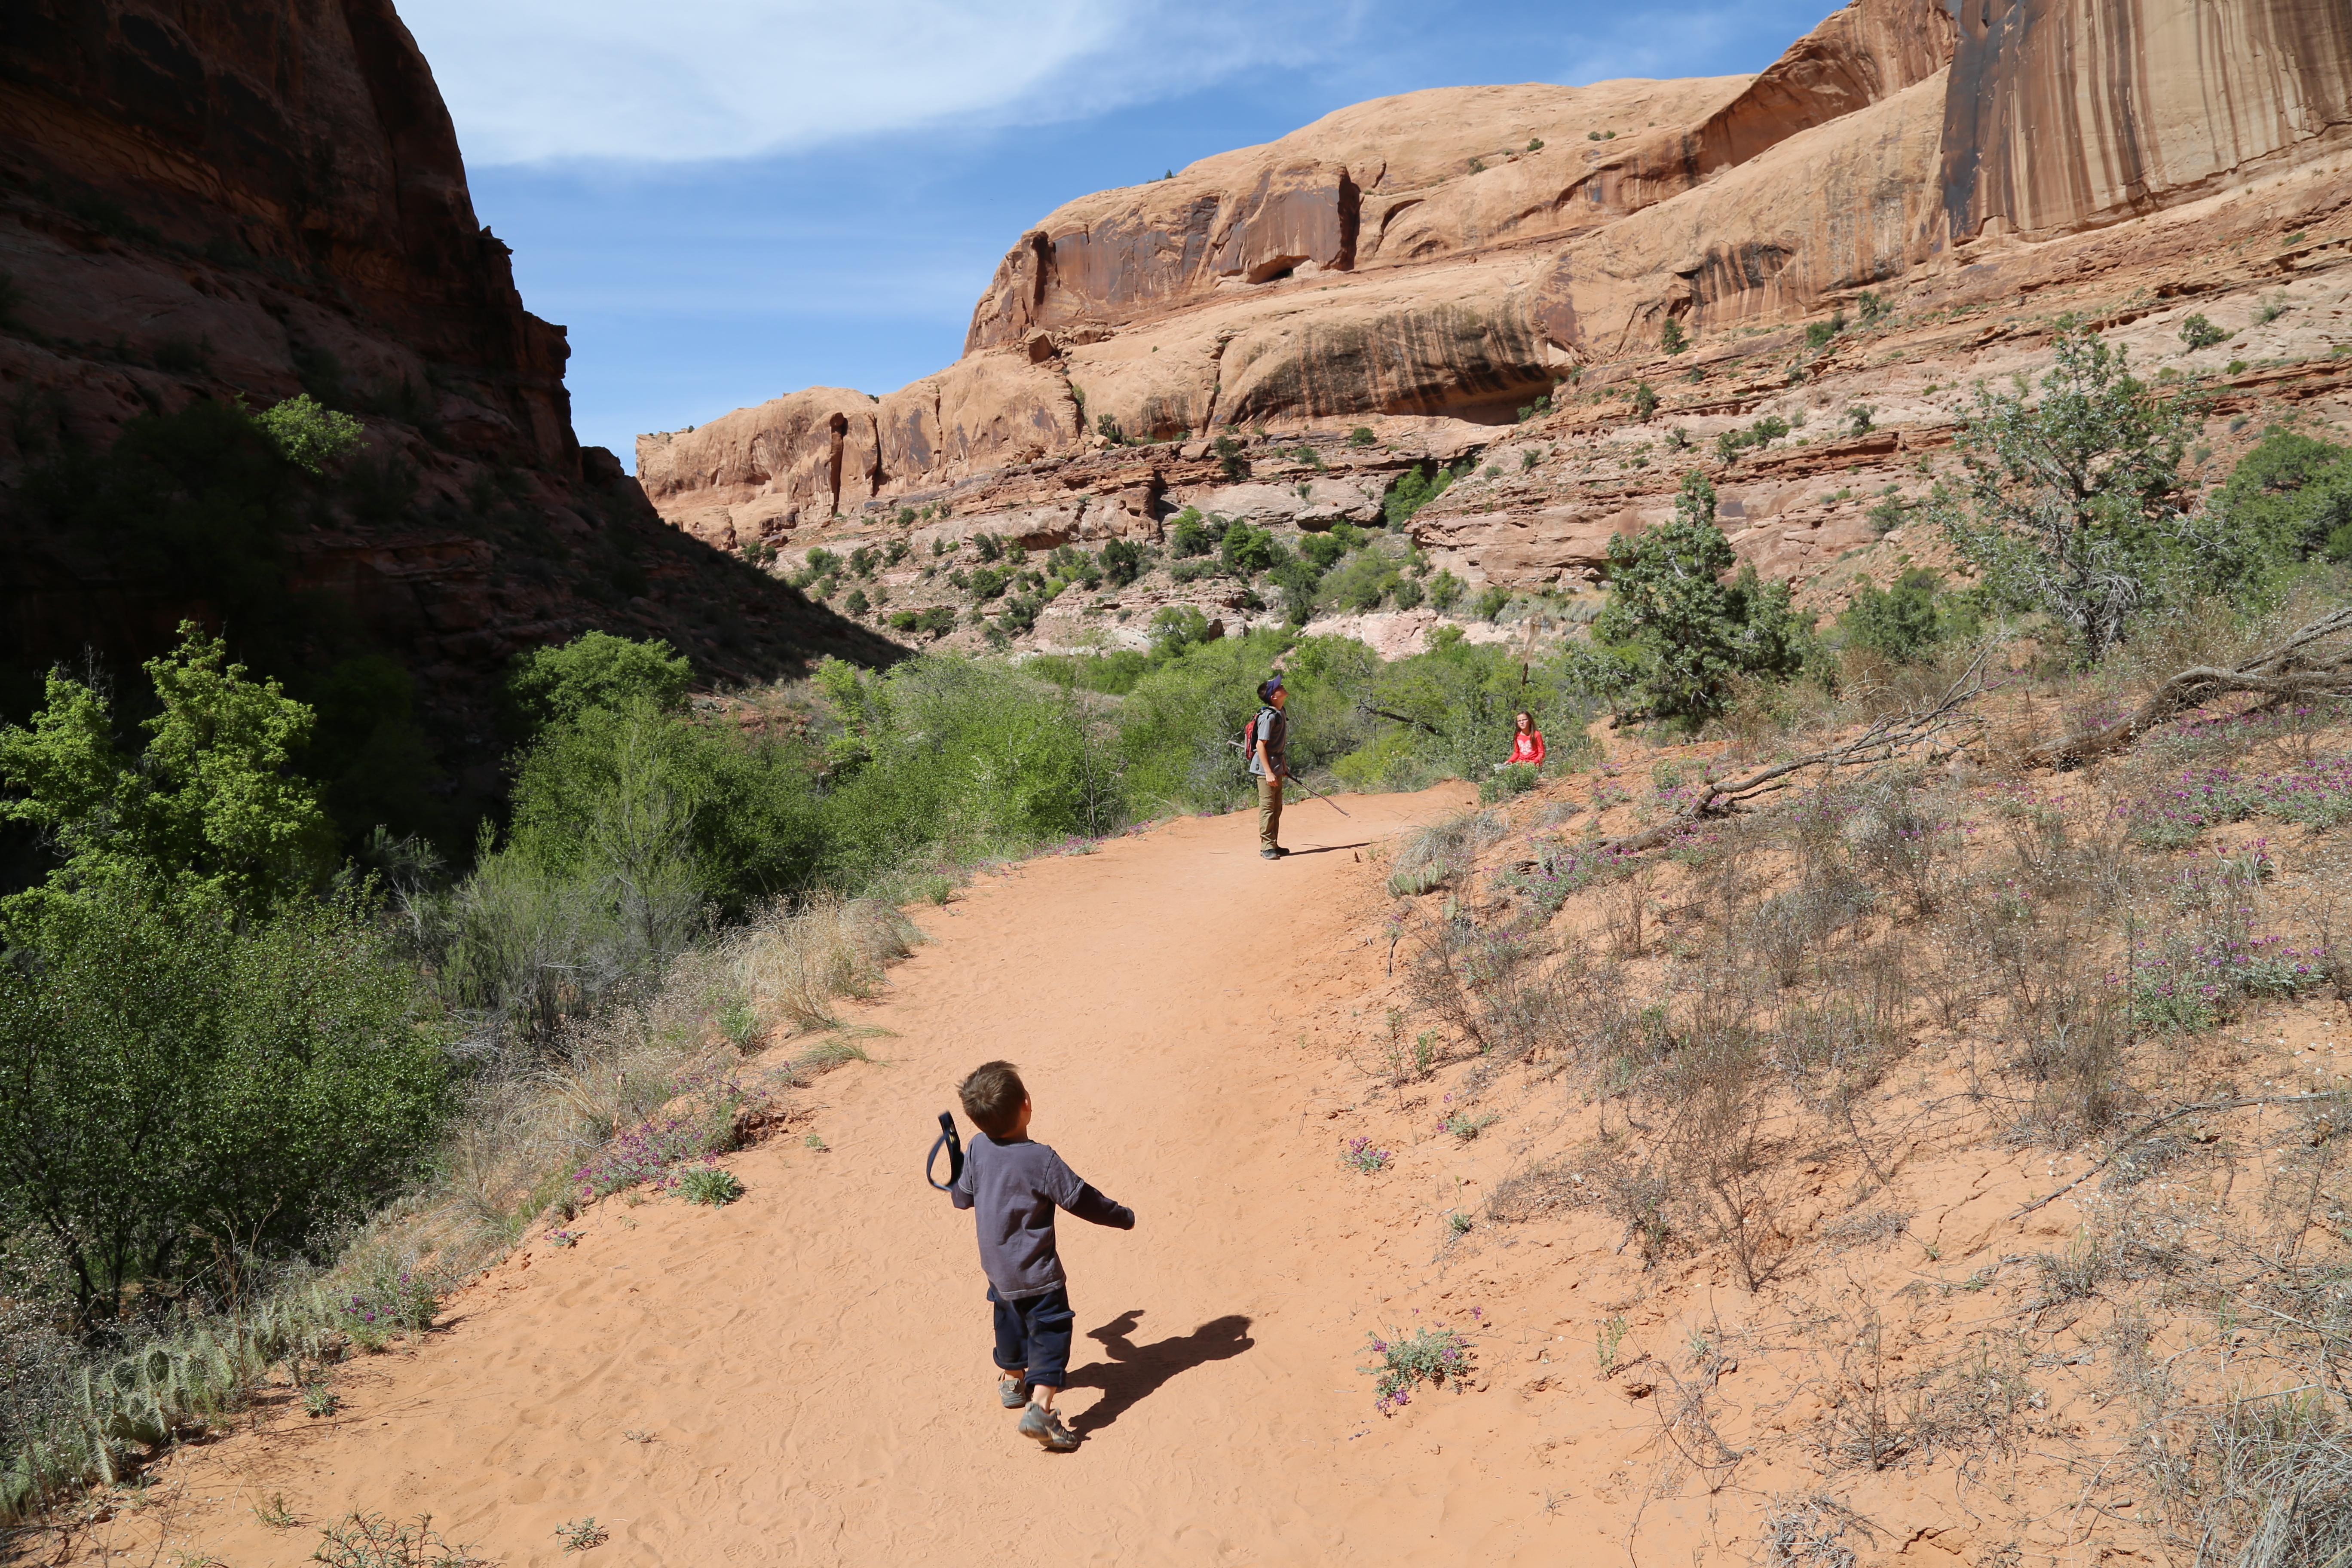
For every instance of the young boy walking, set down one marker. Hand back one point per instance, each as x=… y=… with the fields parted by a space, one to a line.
x=1015 y=1185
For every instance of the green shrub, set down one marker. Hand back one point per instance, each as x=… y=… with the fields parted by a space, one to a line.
x=1671 y=338
x=1188 y=536
x=1446 y=591
x=1122 y=563
x=2071 y=503
x=714 y=1185
x=1247 y=551
x=210 y=803
x=1694 y=632
x=1514 y=779
x=170 y=1068
x=2197 y=332
x=944 y=755
x=2288 y=500
x=1416 y=489
x=1645 y=402
x=1231 y=460
x=309 y=435
x=1359 y=584
x=1361 y=435
x=595 y=669
x=1904 y=623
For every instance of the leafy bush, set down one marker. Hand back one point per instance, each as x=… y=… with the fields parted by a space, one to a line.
x=1904 y=622
x=1730 y=444
x=557 y=685
x=174 y=1069
x=1670 y=336
x=1188 y=536
x=309 y=435
x=1361 y=583
x=714 y=1185
x=1231 y=460
x=1645 y=402
x=211 y=803
x=1247 y=551
x=950 y=754
x=2288 y=499
x=1122 y=563
x=1518 y=778
x=1430 y=1355
x=2197 y=332
x=657 y=807
x=1695 y=635
x=1416 y=489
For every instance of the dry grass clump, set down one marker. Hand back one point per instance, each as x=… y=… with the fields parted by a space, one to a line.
x=1430 y=857
x=794 y=969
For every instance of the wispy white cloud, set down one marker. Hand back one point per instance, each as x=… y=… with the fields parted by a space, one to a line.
x=537 y=81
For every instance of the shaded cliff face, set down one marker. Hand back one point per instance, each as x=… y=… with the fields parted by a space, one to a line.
x=203 y=202
x=281 y=181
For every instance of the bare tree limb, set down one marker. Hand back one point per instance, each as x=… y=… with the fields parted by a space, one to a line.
x=1892 y=736
x=2282 y=672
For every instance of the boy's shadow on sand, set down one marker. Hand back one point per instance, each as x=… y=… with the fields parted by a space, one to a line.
x=1136 y=1372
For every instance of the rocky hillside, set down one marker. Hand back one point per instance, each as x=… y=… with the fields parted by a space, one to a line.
x=1907 y=200
x=209 y=201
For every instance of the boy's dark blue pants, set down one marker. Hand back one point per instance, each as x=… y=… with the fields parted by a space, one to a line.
x=1034 y=1332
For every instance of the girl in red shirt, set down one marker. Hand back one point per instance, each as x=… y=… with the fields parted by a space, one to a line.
x=1527 y=742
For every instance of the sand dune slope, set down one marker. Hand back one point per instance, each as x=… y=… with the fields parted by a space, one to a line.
x=807 y=1370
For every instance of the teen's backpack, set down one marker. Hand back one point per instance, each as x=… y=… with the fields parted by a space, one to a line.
x=1248 y=739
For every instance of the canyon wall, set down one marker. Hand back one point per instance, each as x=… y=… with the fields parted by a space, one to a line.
x=1451 y=255
x=203 y=202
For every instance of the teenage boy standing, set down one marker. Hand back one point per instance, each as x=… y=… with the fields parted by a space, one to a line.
x=1269 y=745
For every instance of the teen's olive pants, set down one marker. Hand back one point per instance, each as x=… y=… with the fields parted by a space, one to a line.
x=1269 y=813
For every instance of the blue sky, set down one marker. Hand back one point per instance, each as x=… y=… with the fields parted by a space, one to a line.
x=728 y=199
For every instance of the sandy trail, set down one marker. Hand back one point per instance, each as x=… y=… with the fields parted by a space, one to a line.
x=808 y=1369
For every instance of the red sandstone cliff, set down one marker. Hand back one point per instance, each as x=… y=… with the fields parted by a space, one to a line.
x=205 y=198
x=1434 y=261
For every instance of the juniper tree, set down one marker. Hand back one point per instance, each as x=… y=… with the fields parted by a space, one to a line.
x=1695 y=633
x=2069 y=503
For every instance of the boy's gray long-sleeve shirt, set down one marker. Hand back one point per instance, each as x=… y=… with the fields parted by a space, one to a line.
x=1017 y=1187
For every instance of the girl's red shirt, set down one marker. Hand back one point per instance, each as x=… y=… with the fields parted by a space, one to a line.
x=1527 y=746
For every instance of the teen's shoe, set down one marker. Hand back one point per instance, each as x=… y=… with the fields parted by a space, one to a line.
x=1047 y=1430
x=1275 y=854
x=1013 y=1391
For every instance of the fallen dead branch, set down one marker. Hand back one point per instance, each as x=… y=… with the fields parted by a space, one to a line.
x=2169 y=1117
x=2291 y=669
x=1893 y=736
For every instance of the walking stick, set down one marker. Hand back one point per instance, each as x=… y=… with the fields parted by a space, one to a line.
x=1302 y=784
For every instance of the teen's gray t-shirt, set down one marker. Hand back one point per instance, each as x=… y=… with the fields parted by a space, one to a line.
x=1273 y=728
x=1015 y=1187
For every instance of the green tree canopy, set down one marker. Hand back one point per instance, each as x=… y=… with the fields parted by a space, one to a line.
x=2069 y=503
x=211 y=801
x=1692 y=631
x=594 y=669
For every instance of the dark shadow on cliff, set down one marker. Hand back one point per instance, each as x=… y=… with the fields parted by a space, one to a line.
x=1136 y=1372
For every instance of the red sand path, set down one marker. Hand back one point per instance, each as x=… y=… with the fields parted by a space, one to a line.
x=811 y=1362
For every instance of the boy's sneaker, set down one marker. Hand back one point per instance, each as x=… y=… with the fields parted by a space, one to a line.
x=1046 y=1427
x=1275 y=854
x=1013 y=1391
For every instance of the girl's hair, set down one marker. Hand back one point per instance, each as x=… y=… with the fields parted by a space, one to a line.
x=1523 y=713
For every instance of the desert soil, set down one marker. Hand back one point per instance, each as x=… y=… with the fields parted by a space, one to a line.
x=806 y=1373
